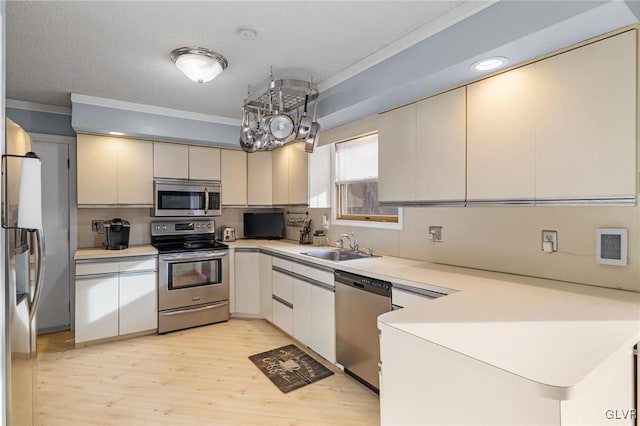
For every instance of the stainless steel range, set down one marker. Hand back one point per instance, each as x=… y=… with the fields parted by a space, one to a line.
x=193 y=276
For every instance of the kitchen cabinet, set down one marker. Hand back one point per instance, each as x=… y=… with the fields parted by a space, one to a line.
x=260 y=178
x=421 y=151
x=440 y=160
x=302 y=311
x=282 y=294
x=114 y=171
x=320 y=177
x=204 y=163
x=396 y=155
x=501 y=136
x=586 y=121
x=115 y=297
x=170 y=160
x=266 y=286
x=290 y=175
x=247 y=281
x=323 y=322
x=234 y=177
x=560 y=129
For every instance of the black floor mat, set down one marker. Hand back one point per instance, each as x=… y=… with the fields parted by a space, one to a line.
x=289 y=368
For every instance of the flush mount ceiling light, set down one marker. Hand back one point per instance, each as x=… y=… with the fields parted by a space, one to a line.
x=489 y=63
x=198 y=63
x=116 y=133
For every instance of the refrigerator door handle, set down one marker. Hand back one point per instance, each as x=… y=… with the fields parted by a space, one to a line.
x=39 y=272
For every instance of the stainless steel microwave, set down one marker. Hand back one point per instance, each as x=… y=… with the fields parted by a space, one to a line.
x=183 y=198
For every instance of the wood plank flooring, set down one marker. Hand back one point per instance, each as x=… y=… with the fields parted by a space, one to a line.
x=200 y=376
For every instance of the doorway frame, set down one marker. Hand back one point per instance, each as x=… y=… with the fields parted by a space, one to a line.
x=73 y=212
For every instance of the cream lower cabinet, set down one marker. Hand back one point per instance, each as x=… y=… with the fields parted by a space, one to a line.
x=260 y=178
x=247 y=281
x=282 y=294
x=266 y=286
x=290 y=175
x=234 y=177
x=114 y=171
x=421 y=151
x=115 y=297
x=457 y=389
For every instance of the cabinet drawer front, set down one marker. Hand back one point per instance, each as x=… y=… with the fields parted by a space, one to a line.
x=405 y=299
x=142 y=264
x=282 y=263
x=283 y=317
x=96 y=268
x=314 y=273
x=282 y=286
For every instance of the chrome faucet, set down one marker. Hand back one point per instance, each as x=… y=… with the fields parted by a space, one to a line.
x=353 y=243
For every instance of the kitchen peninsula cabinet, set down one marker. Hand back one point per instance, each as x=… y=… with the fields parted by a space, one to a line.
x=114 y=171
x=421 y=151
x=260 y=178
x=234 y=177
x=290 y=175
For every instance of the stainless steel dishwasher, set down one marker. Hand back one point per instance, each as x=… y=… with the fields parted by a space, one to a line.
x=359 y=301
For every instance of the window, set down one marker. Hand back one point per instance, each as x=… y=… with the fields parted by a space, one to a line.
x=357 y=182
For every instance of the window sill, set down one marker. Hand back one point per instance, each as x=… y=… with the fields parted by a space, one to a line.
x=370 y=224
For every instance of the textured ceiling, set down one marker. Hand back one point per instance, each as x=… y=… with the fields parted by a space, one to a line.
x=120 y=50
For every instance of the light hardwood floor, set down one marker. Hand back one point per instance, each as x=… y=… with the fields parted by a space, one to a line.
x=200 y=376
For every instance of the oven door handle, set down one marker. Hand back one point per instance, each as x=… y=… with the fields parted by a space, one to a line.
x=189 y=258
x=203 y=308
x=206 y=200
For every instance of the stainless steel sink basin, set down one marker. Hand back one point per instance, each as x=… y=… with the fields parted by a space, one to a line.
x=338 y=255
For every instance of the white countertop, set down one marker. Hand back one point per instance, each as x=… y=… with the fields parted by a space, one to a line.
x=551 y=335
x=100 y=253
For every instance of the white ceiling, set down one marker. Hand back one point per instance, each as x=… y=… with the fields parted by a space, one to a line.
x=120 y=50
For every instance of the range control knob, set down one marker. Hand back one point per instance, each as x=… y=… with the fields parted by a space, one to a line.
x=164 y=227
x=209 y=226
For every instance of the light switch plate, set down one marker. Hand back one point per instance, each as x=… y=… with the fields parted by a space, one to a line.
x=435 y=234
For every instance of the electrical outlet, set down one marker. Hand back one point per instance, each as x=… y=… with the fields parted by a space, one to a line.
x=435 y=234
x=97 y=226
x=549 y=243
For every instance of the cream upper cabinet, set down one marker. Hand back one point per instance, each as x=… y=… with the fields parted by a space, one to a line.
x=170 y=160
x=586 y=121
x=234 y=177
x=320 y=177
x=280 y=177
x=135 y=172
x=114 y=171
x=396 y=154
x=441 y=147
x=204 y=163
x=97 y=169
x=260 y=177
x=501 y=136
x=298 y=174
x=290 y=175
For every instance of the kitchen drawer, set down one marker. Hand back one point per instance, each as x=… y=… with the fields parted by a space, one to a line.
x=142 y=264
x=314 y=273
x=96 y=268
x=405 y=298
x=283 y=316
x=282 y=263
x=282 y=285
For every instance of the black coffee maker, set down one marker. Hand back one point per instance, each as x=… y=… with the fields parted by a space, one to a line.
x=117 y=232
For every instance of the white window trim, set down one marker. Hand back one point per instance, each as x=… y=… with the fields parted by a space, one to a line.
x=355 y=223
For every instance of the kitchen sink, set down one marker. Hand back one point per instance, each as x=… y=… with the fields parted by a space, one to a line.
x=339 y=255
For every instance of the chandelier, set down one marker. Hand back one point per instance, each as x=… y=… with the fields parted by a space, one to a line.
x=280 y=116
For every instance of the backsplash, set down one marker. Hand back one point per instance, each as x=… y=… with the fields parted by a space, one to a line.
x=508 y=239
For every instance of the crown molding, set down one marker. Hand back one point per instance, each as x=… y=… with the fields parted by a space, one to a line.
x=33 y=106
x=150 y=109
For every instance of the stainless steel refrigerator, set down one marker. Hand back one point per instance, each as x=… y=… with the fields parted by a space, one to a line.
x=23 y=257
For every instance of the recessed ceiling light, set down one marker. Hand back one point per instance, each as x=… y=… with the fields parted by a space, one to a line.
x=247 y=33
x=489 y=63
x=116 y=133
